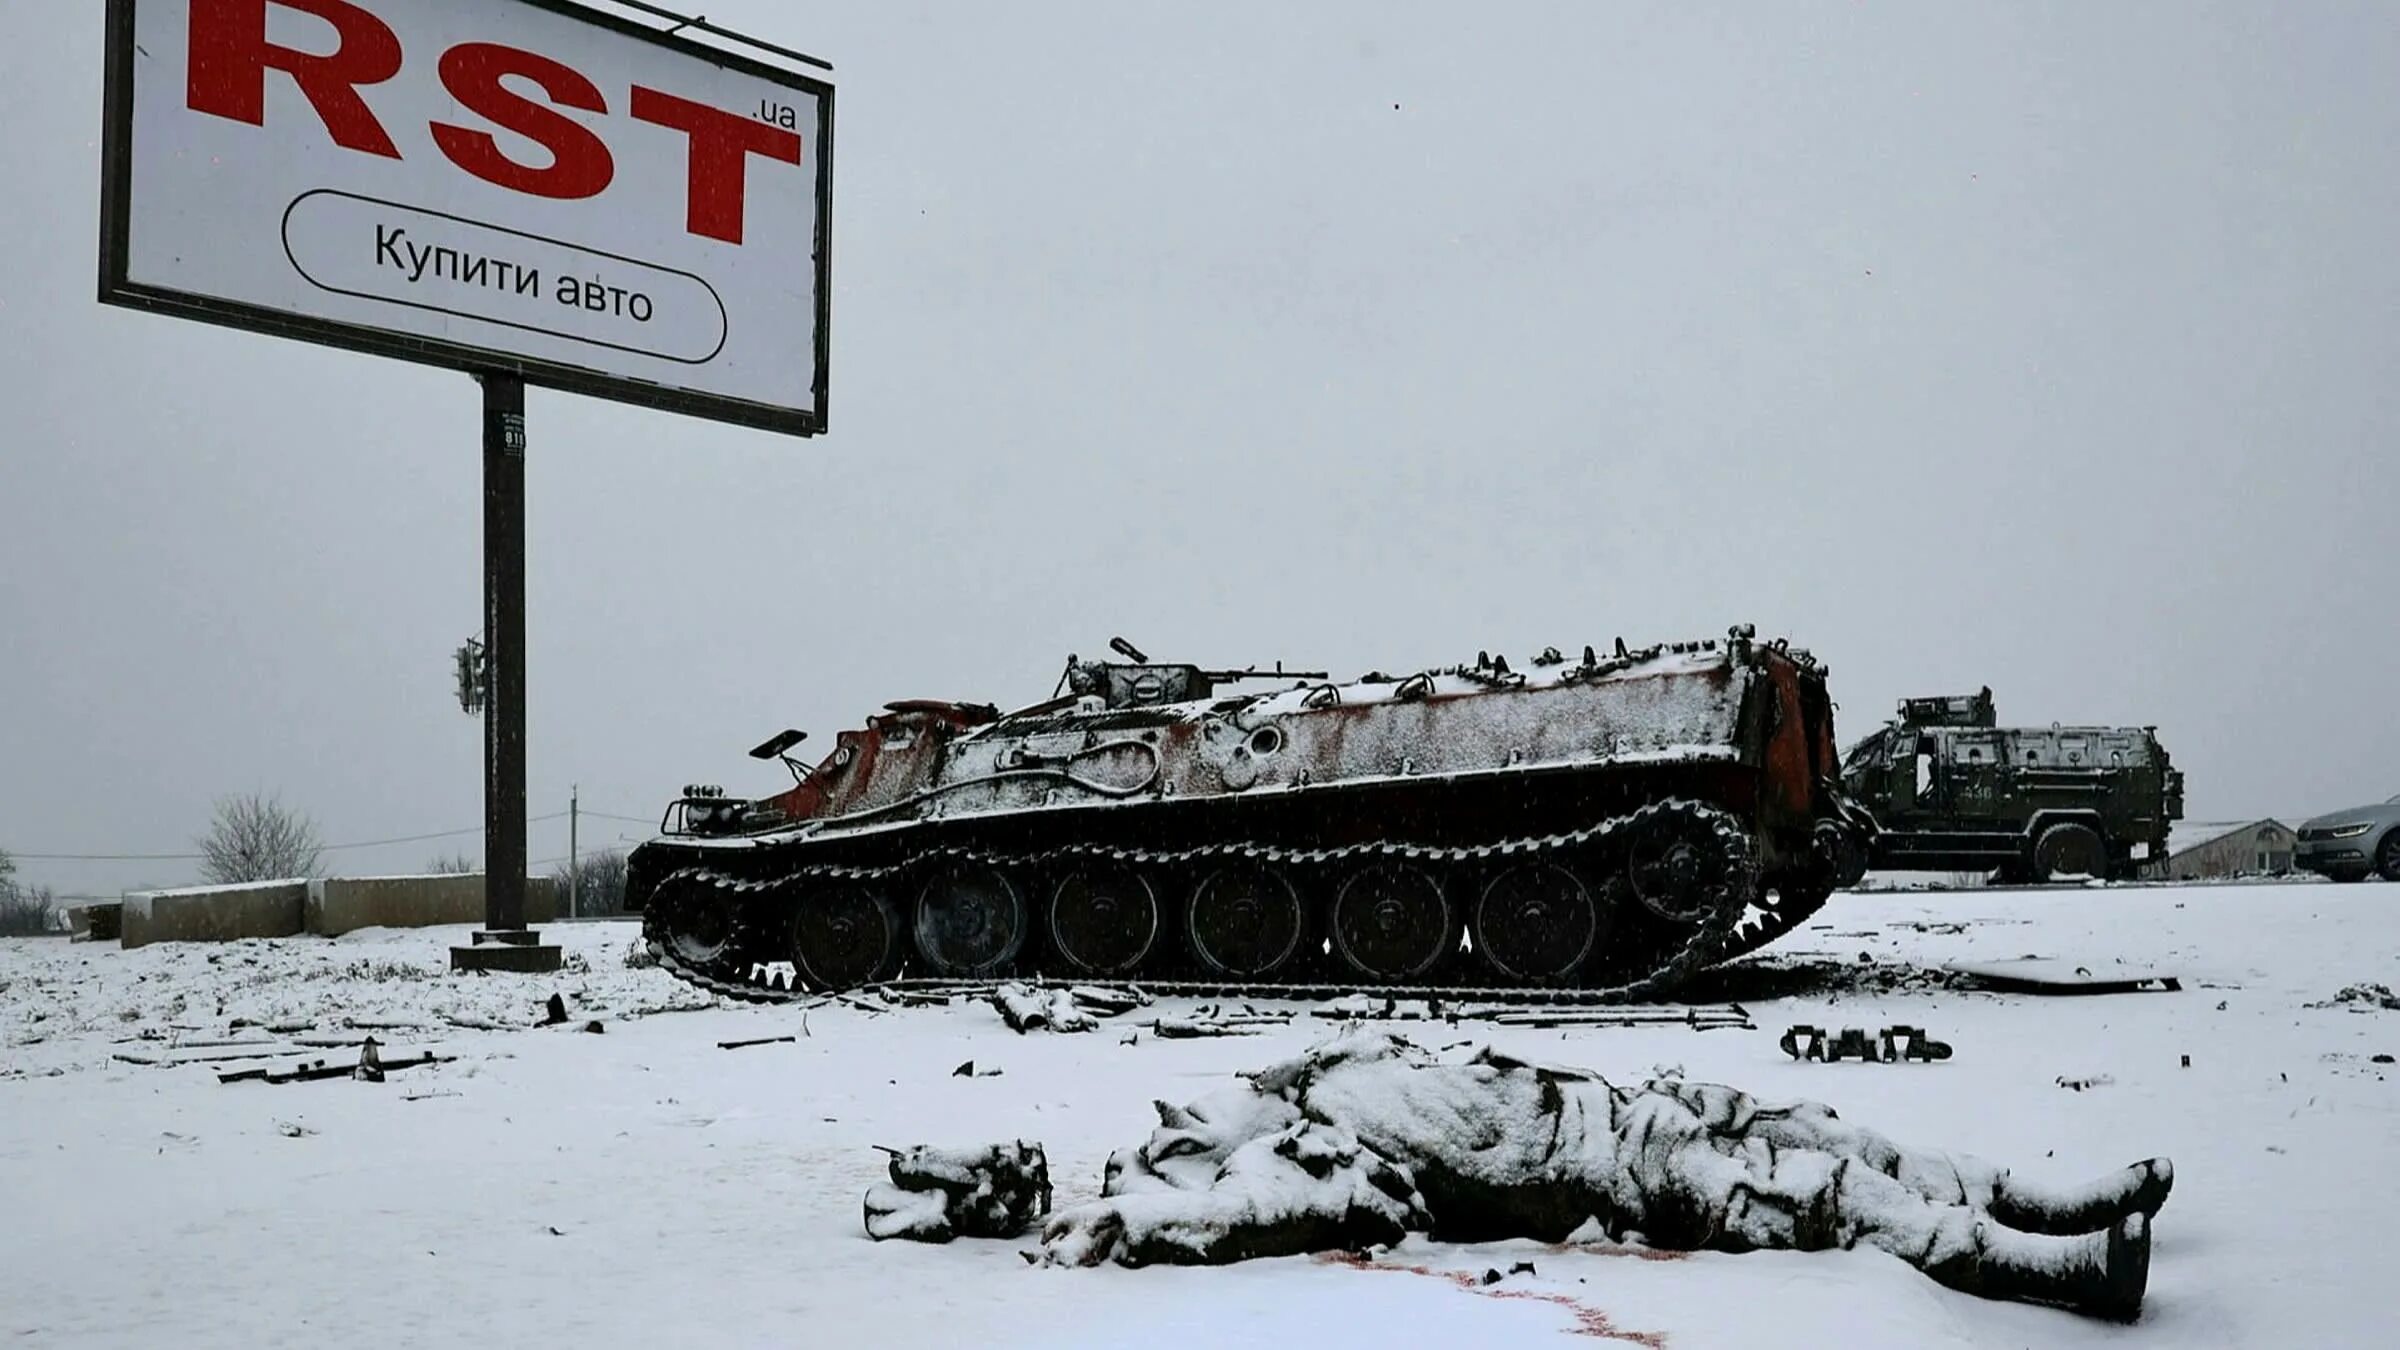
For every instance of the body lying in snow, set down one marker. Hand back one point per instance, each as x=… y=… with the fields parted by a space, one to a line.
x=1366 y=1136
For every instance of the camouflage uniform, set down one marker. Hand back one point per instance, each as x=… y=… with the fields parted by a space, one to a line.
x=1496 y=1147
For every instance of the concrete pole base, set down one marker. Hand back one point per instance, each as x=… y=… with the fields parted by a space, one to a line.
x=518 y=950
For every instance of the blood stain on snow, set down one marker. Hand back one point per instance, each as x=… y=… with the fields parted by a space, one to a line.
x=1589 y=1320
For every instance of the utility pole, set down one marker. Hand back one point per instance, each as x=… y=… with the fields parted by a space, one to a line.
x=504 y=942
x=574 y=867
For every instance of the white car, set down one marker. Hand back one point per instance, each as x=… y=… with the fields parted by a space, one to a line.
x=2354 y=844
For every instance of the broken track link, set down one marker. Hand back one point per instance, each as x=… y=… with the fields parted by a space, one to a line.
x=732 y=974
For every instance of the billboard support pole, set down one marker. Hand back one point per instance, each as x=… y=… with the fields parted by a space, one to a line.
x=504 y=941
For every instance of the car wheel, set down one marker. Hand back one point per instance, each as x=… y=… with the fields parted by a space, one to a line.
x=2387 y=858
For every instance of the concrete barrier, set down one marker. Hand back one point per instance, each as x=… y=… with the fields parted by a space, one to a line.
x=263 y=909
x=338 y=905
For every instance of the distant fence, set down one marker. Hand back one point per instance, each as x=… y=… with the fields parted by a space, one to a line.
x=328 y=907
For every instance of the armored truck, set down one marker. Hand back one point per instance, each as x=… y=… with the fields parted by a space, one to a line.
x=1950 y=790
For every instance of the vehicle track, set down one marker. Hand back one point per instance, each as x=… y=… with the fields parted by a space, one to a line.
x=749 y=968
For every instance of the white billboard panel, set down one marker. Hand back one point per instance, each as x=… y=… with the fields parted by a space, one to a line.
x=526 y=186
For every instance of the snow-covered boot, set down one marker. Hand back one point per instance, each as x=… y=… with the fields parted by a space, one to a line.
x=2032 y=1208
x=2098 y=1274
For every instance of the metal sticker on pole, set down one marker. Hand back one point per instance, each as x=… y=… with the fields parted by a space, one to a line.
x=529 y=187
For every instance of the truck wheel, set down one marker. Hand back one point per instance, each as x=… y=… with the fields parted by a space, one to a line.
x=2069 y=849
x=2387 y=858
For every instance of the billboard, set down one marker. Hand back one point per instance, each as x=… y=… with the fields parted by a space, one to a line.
x=522 y=186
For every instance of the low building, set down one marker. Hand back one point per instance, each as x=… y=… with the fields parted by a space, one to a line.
x=2200 y=850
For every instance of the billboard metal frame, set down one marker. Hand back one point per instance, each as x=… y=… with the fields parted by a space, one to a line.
x=117 y=288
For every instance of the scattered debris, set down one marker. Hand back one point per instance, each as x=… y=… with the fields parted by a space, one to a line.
x=2379 y=1059
x=2363 y=998
x=1027 y=1008
x=847 y=1000
x=1711 y=1017
x=370 y=1067
x=170 y=1057
x=595 y=1026
x=1491 y=1276
x=968 y=1070
x=1109 y=1002
x=292 y=1130
x=2083 y=1084
x=554 y=1012
x=1359 y=1007
x=761 y=1040
x=938 y=1194
x=1189 y=1028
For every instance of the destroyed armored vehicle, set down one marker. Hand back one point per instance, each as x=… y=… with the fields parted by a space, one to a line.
x=1602 y=822
x=1950 y=790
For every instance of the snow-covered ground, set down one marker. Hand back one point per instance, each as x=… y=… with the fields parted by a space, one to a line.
x=644 y=1187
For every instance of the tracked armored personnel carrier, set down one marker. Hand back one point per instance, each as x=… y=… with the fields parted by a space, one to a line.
x=1601 y=826
x=1951 y=790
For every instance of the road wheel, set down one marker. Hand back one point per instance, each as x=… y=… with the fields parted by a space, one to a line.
x=2387 y=858
x=1103 y=920
x=2069 y=850
x=844 y=936
x=1536 y=923
x=970 y=922
x=693 y=915
x=1391 y=922
x=1689 y=863
x=1245 y=921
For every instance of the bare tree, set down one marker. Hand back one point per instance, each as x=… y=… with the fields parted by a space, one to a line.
x=599 y=883
x=454 y=865
x=24 y=911
x=257 y=838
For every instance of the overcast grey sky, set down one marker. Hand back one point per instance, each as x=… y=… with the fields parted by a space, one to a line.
x=2049 y=347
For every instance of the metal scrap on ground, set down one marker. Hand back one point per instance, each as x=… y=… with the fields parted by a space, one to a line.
x=2049 y=975
x=370 y=1068
x=1894 y=1045
x=2363 y=998
x=1030 y=1007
